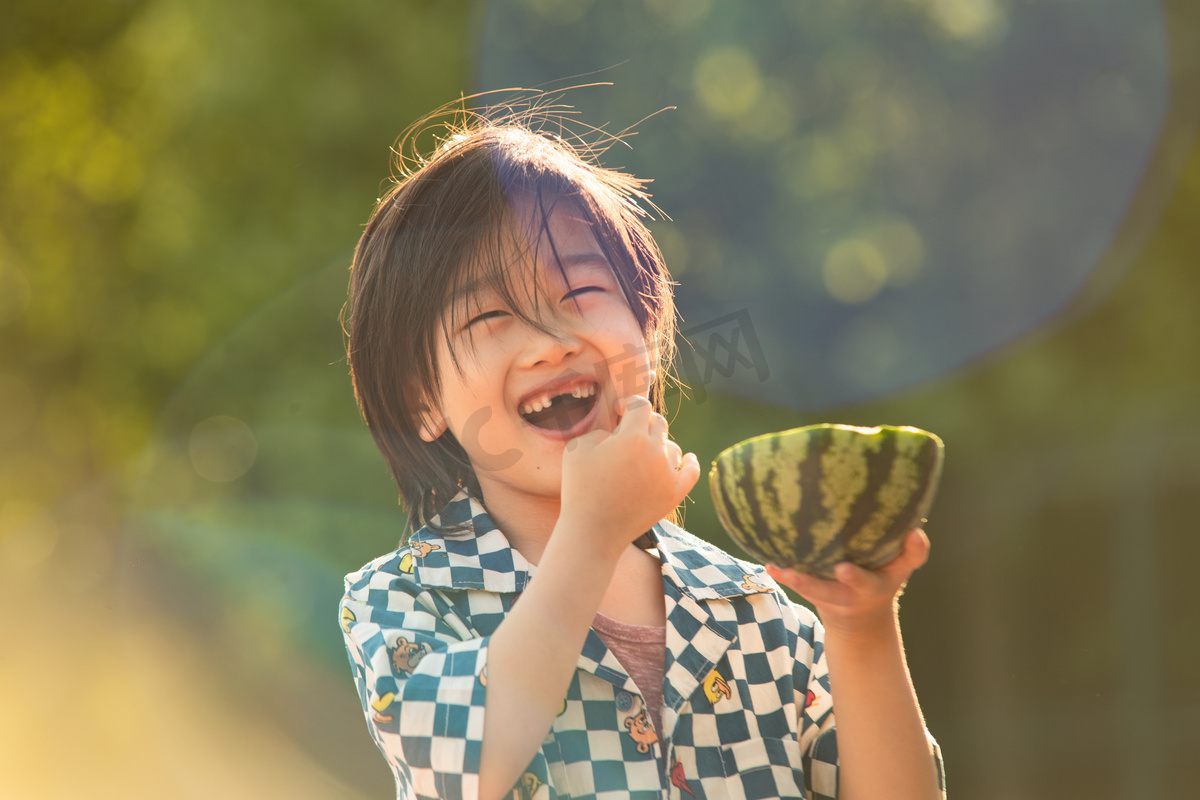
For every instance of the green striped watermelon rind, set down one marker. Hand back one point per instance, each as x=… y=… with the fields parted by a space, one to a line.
x=851 y=498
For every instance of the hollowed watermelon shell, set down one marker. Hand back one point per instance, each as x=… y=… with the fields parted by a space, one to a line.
x=810 y=497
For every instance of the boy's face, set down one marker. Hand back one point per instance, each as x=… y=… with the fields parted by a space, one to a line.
x=522 y=394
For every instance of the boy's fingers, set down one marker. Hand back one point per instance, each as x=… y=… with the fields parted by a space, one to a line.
x=816 y=590
x=918 y=544
x=686 y=476
x=855 y=577
x=629 y=402
x=635 y=411
x=658 y=424
x=913 y=556
x=794 y=578
x=586 y=439
x=687 y=471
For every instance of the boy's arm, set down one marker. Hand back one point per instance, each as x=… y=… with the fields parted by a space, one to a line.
x=614 y=487
x=533 y=654
x=883 y=747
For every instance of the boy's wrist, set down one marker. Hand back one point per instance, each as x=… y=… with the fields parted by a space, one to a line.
x=591 y=538
x=874 y=625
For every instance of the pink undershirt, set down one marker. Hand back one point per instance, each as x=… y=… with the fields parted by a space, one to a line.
x=642 y=651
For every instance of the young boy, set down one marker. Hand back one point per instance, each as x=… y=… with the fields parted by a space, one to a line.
x=547 y=630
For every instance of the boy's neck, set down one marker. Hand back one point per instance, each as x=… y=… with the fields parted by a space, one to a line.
x=526 y=521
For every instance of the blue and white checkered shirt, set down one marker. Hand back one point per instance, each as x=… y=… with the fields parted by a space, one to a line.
x=746 y=706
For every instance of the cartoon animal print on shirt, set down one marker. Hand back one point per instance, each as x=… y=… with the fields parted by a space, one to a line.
x=406 y=655
x=636 y=720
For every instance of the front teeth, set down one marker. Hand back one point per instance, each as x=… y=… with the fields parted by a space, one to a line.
x=543 y=402
x=537 y=405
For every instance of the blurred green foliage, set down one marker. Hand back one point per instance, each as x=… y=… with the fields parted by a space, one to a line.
x=165 y=168
x=181 y=183
x=168 y=169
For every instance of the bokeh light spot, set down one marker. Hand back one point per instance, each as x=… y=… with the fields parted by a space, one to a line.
x=727 y=81
x=222 y=449
x=973 y=21
x=854 y=271
x=679 y=13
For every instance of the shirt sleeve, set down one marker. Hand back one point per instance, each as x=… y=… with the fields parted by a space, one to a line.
x=421 y=678
x=818 y=727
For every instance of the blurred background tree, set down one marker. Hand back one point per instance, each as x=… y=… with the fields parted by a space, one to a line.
x=184 y=478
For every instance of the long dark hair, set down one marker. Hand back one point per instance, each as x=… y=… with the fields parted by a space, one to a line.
x=449 y=218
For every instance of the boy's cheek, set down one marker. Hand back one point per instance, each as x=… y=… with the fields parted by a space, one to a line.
x=631 y=373
x=487 y=453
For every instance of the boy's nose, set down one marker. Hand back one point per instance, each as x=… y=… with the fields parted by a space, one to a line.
x=551 y=346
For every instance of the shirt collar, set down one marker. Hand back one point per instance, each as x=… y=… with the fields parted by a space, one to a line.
x=475 y=554
x=703 y=570
x=469 y=552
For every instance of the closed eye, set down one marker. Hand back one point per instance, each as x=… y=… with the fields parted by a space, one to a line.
x=497 y=313
x=487 y=315
x=582 y=290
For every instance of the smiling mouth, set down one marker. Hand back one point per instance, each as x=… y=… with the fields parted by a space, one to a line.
x=560 y=412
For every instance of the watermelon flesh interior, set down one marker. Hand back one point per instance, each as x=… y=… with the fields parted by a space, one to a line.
x=810 y=497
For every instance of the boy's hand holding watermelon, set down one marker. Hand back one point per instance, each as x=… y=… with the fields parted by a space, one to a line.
x=835 y=512
x=858 y=599
x=882 y=744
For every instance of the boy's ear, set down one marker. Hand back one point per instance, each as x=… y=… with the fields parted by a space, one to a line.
x=432 y=424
